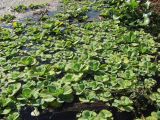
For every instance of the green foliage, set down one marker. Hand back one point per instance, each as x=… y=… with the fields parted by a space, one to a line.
x=91 y=115
x=124 y=104
x=13 y=116
x=155 y=97
x=34 y=7
x=23 y=8
x=154 y=116
x=20 y=8
x=7 y=18
x=128 y=12
x=66 y=57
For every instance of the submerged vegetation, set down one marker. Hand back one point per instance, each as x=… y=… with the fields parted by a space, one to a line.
x=75 y=58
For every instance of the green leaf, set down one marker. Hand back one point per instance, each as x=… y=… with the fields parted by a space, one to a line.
x=134 y=4
x=67 y=90
x=27 y=93
x=14 y=88
x=55 y=91
x=77 y=67
x=94 y=65
x=124 y=104
x=79 y=88
x=69 y=78
x=104 y=115
x=20 y=8
x=65 y=98
x=95 y=85
x=28 y=61
x=87 y=115
x=5 y=101
x=6 y=111
x=149 y=83
x=13 y=116
x=47 y=97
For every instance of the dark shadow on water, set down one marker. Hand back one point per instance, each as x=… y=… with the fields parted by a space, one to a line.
x=69 y=111
x=26 y=115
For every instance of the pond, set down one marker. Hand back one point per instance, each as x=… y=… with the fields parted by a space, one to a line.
x=79 y=59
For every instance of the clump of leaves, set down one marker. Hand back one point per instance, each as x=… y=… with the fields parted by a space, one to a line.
x=34 y=7
x=20 y=8
x=91 y=115
x=124 y=104
x=155 y=97
x=154 y=116
x=7 y=18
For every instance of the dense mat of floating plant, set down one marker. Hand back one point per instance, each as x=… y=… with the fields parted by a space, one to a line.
x=62 y=58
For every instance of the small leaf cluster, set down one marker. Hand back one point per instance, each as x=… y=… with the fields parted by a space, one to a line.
x=155 y=97
x=91 y=115
x=38 y=6
x=124 y=104
x=7 y=18
x=23 y=8
x=20 y=8
x=154 y=116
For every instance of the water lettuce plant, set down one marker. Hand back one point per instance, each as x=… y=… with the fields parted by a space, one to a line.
x=91 y=115
x=67 y=58
x=7 y=18
x=20 y=8
x=24 y=8
x=34 y=7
